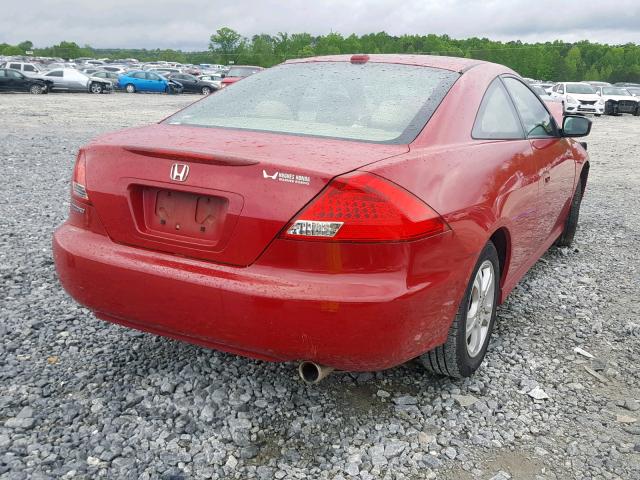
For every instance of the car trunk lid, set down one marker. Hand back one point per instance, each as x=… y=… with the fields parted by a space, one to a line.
x=216 y=194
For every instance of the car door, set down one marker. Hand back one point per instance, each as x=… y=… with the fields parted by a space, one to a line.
x=553 y=155
x=154 y=82
x=498 y=126
x=57 y=77
x=189 y=82
x=17 y=81
x=4 y=81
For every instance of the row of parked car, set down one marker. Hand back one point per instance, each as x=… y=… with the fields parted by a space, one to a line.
x=104 y=78
x=596 y=98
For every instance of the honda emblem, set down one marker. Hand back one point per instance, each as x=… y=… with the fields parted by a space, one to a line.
x=179 y=172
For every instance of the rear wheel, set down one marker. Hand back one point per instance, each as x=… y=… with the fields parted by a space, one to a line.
x=129 y=88
x=36 y=89
x=471 y=329
x=571 y=224
x=206 y=90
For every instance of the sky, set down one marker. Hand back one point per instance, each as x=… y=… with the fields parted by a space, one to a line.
x=187 y=24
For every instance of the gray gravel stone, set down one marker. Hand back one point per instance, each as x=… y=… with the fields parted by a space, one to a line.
x=86 y=399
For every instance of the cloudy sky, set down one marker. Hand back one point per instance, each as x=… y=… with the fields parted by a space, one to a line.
x=187 y=24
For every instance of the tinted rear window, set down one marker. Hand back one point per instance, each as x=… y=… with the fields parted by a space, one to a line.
x=374 y=102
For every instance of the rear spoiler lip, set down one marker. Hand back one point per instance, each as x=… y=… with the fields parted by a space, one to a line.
x=211 y=158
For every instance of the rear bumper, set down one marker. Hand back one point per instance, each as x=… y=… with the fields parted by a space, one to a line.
x=366 y=321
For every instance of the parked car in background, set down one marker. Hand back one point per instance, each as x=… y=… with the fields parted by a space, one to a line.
x=578 y=97
x=618 y=100
x=238 y=72
x=635 y=91
x=626 y=84
x=28 y=69
x=165 y=70
x=15 y=81
x=598 y=84
x=542 y=93
x=193 y=84
x=309 y=213
x=72 y=80
x=147 y=81
x=113 y=68
x=214 y=78
x=111 y=76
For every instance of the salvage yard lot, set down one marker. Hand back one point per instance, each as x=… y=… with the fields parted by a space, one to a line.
x=85 y=398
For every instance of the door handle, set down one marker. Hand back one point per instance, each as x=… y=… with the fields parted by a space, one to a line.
x=547 y=176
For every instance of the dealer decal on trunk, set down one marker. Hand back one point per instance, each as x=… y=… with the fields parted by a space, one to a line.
x=287 y=177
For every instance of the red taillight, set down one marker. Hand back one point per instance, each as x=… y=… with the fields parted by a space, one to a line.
x=363 y=207
x=79 y=182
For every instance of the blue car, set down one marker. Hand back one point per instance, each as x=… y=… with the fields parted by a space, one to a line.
x=142 y=81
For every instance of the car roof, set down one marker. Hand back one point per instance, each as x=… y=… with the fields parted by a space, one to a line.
x=455 y=64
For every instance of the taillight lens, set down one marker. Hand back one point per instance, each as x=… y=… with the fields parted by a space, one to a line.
x=79 y=181
x=364 y=207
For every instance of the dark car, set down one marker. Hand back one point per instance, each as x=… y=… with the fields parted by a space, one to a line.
x=14 y=81
x=193 y=84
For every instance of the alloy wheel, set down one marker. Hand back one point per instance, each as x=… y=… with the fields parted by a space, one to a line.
x=480 y=311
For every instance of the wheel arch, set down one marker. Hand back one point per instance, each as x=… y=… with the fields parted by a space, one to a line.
x=584 y=174
x=501 y=239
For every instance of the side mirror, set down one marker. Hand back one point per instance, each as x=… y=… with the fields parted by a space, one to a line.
x=223 y=75
x=575 y=126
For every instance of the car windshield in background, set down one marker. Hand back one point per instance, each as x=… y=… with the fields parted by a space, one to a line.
x=615 y=91
x=374 y=102
x=242 y=71
x=580 y=88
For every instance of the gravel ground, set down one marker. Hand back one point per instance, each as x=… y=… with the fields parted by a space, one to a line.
x=80 y=398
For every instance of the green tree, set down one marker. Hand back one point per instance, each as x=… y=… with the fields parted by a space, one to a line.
x=225 y=42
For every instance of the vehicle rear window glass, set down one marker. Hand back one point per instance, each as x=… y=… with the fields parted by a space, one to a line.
x=374 y=102
x=497 y=118
x=15 y=65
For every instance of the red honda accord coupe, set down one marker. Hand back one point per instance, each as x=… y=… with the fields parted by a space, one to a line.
x=349 y=212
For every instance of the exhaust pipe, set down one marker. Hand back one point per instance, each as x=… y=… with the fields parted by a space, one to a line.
x=311 y=373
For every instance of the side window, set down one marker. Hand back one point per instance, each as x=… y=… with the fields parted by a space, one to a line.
x=561 y=88
x=139 y=75
x=535 y=118
x=2 y=73
x=496 y=117
x=152 y=76
x=29 y=68
x=14 y=74
x=55 y=73
x=15 y=66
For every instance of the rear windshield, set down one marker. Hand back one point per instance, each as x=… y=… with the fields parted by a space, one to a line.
x=373 y=102
x=579 y=88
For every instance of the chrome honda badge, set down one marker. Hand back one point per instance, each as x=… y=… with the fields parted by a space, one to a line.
x=179 y=172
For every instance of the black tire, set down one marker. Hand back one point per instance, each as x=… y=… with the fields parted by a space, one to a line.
x=36 y=89
x=637 y=112
x=452 y=359
x=206 y=90
x=571 y=224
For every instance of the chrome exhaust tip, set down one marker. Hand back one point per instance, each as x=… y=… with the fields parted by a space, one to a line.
x=311 y=373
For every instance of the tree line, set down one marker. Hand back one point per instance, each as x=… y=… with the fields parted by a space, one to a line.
x=555 y=60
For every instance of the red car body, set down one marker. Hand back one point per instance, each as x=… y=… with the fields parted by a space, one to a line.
x=251 y=290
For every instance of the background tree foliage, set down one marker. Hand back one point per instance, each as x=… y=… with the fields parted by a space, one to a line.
x=545 y=61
